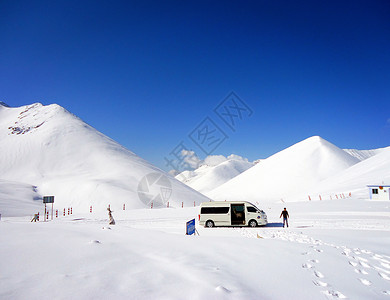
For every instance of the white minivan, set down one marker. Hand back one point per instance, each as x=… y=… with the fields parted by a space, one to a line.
x=231 y=213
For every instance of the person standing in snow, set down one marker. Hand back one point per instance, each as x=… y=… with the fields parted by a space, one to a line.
x=35 y=218
x=285 y=217
x=112 y=221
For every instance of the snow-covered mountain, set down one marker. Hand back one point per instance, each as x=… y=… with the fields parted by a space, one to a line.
x=50 y=148
x=211 y=175
x=18 y=199
x=293 y=170
x=363 y=154
x=373 y=170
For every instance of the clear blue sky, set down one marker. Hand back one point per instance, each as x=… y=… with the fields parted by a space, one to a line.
x=147 y=73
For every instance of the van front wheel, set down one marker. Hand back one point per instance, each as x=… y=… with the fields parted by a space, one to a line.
x=252 y=223
x=209 y=224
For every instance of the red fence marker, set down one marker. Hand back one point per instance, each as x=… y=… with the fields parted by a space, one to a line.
x=151 y=205
x=320 y=197
x=71 y=211
x=182 y=204
x=309 y=198
x=38 y=216
x=64 y=211
x=90 y=209
x=56 y=213
x=124 y=206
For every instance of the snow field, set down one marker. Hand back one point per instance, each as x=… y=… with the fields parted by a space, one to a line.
x=328 y=252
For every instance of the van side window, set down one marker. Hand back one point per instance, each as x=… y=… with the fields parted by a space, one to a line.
x=214 y=210
x=375 y=191
x=251 y=209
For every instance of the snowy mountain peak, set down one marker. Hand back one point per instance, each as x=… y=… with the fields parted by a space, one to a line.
x=27 y=119
x=215 y=170
x=48 y=147
x=314 y=141
x=287 y=172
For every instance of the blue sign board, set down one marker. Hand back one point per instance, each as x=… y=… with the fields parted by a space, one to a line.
x=190 y=227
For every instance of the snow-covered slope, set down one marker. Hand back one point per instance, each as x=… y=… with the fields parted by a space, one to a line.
x=209 y=177
x=48 y=147
x=287 y=172
x=373 y=170
x=18 y=199
x=363 y=154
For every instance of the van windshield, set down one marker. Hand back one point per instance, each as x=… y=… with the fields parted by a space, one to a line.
x=254 y=206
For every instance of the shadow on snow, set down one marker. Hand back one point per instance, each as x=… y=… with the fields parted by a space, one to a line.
x=275 y=224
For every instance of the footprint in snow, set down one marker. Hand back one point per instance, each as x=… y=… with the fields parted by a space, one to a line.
x=318 y=274
x=307 y=266
x=352 y=263
x=364 y=264
x=379 y=269
x=386 y=293
x=335 y=294
x=320 y=283
x=346 y=253
x=365 y=281
x=360 y=258
x=384 y=276
x=382 y=260
x=315 y=261
x=361 y=271
x=387 y=266
x=319 y=250
x=95 y=242
x=222 y=289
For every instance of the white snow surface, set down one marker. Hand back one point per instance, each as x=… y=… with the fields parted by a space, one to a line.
x=50 y=148
x=18 y=199
x=332 y=250
x=291 y=171
x=371 y=171
x=363 y=154
x=209 y=176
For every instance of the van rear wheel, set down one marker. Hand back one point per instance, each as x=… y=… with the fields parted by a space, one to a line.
x=252 y=223
x=209 y=224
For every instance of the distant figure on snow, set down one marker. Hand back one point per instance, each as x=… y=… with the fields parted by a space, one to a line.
x=35 y=218
x=285 y=217
x=112 y=221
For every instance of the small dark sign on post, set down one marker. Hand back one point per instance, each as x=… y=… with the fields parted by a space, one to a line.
x=48 y=199
x=190 y=227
